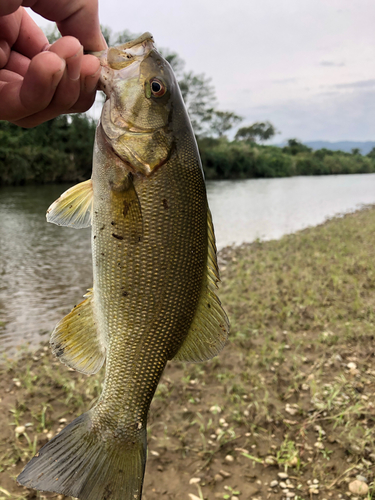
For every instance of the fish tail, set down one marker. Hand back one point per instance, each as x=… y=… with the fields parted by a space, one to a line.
x=78 y=463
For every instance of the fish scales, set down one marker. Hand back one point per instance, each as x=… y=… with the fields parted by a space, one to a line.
x=157 y=281
x=155 y=274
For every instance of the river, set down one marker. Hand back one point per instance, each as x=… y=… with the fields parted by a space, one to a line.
x=45 y=269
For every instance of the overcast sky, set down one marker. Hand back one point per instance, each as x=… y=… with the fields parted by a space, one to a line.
x=305 y=65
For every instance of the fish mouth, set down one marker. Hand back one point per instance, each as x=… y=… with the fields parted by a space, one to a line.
x=122 y=58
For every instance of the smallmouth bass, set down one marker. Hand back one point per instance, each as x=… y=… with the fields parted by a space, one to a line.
x=155 y=272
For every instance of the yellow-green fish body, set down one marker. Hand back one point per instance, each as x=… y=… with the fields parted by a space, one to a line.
x=154 y=263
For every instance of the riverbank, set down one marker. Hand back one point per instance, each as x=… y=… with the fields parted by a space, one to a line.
x=288 y=408
x=60 y=150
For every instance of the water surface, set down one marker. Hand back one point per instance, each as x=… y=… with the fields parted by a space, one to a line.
x=45 y=269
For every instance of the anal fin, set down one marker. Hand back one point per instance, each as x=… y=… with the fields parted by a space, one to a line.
x=76 y=340
x=74 y=207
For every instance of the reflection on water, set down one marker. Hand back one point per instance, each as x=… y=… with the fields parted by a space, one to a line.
x=269 y=208
x=45 y=269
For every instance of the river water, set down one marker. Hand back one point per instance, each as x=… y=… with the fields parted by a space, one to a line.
x=45 y=269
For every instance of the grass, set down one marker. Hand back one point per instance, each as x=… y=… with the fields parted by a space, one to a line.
x=293 y=391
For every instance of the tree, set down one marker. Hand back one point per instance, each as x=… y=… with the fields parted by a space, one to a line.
x=222 y=121
x=199 y=96
x=371 y=154
x=356 y=152
x=261 y=130
x=295 y=146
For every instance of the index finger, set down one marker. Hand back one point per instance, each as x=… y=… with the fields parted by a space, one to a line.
x=79 y=19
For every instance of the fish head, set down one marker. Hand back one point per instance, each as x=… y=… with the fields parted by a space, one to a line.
x=141 y=90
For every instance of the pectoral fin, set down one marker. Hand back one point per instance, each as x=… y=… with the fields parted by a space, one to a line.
x=209 y=329
x=74 y=207
x=76 y=340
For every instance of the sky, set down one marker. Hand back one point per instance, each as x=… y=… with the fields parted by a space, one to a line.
x=307 y=66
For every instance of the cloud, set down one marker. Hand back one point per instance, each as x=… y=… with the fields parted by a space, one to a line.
x=284 y=81
x=344 y=116
x=355 y=85
x=331 y=63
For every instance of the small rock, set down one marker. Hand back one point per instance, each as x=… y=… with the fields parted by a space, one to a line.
x=215 y=409
x=270 y=460
x=29 y=424
x=17 y=383
x=229 y=459
x=224 y=473
x=62 y=421
x=359 y=477
x=160 y=468
x=283 y=485
x=358 y=487
x=274 y=483
x=351 y=366
x=316 y=481
x=49 y=435
x=20 y=429
x=319 y=445
x=195 y=480
x=218 y=478
x=283 y=475
x=193 y=497
x=305 y=387
x=155 y=453
x=290 y=494
x=314 y=491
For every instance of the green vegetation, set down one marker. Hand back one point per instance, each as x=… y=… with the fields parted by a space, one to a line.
x=293 y=391
x=61 y=149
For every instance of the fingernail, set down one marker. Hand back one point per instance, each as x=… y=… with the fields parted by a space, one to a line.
x=56 y=77
x=73 y=67
x=91 y=81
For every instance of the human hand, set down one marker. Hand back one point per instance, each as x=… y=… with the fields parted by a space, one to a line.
x=39 y=81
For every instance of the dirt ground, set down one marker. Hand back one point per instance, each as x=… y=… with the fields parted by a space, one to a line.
x=286 y=411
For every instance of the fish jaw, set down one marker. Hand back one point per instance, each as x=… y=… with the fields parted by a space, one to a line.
x=135 y=124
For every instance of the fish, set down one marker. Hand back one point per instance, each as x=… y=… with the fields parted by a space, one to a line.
x=155 y=276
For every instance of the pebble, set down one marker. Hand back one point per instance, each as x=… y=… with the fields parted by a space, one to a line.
x=215 y=409
x=224 y=473
x=20 y=429
x=319 y=445
x=155 y=453
x=359 y=477
x=193 y=497
x=195 y=480
x=218 y=478
x=351 y=366
x=314 y=491
x=290 y=494
x=283 y=485
x=229 y=459
x=49 y=435
x=274 y=483
x=270 y=460
x=305 y=387
x=316 y=481
x=283 y=475
x=358 y=487
x=62 y=421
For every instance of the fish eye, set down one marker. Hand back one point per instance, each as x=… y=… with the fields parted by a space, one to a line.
x=158 y=88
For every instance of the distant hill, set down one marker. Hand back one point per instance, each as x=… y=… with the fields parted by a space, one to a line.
x=347 y=146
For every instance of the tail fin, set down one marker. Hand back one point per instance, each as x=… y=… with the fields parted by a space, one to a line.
x=78 y=463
